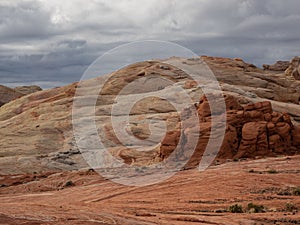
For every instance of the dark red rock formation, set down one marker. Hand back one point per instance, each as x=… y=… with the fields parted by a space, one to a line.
x=251 y=131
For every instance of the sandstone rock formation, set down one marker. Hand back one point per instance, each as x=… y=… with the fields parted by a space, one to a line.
x=8 y=94
x=278 y=66
x=26 y=90
x=294 y=68
x=36 y=130
x=252 y=130
x=252 y=85
x=33 y=126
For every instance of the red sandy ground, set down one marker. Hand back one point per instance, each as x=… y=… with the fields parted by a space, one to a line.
x=190 y=197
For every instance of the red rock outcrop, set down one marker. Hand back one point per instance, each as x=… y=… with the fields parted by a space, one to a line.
x=252 y=130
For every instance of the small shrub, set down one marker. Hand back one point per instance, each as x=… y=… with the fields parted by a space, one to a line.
x=290 y=191
x=235 y=208
x=255 y=208
x=296 y=191
x=272 y=171
x=284 y=192
x=290 y=207
x=69 y=183
x=251 y=171
x=138 y=170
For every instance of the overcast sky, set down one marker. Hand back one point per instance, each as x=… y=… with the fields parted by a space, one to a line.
x=52 y=42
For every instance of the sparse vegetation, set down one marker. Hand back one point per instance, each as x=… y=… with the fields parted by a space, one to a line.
x=290 y=191
x=296 y=191
x=235 y=208
x=69 y=183
x=272 y=171
x=290 y=207
x=284 y=192
x=139 y=170
x=255 y=208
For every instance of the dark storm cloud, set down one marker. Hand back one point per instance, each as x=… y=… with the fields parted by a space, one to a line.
x=51 y=43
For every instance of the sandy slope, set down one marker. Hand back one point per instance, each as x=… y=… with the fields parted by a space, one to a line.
x=190 y=197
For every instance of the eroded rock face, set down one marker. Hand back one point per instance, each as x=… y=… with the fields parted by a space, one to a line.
x=26 y=90
x=253 y=83
x=296 y=136
x=36 y=130
x=294 y=68
x=252 y=130
x=8 y=94
x=278 y=66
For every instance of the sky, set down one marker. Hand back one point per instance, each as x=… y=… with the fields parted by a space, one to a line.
x=52 y=42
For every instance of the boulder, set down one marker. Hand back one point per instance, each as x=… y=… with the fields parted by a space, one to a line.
x=294 y=68
x=296 y=136
x=254 y=141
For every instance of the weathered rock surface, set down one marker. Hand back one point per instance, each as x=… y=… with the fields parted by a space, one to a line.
x=278 y=66
x=26 y=90
x=252 y=130
x=190 y=197
x=252 y=85
x=9 y=94
x=294 y=68
x=36 y=130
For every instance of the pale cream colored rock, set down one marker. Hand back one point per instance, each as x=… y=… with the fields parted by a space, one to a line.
x=36 y=130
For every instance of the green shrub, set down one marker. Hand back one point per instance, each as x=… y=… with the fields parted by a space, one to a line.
x=255 y=208
x=69 y=184
x=296 y=191
x=272 y=171
x=290 y=207
x=235 y=208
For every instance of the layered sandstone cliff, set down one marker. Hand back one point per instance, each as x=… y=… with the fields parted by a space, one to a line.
x=37 y=134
